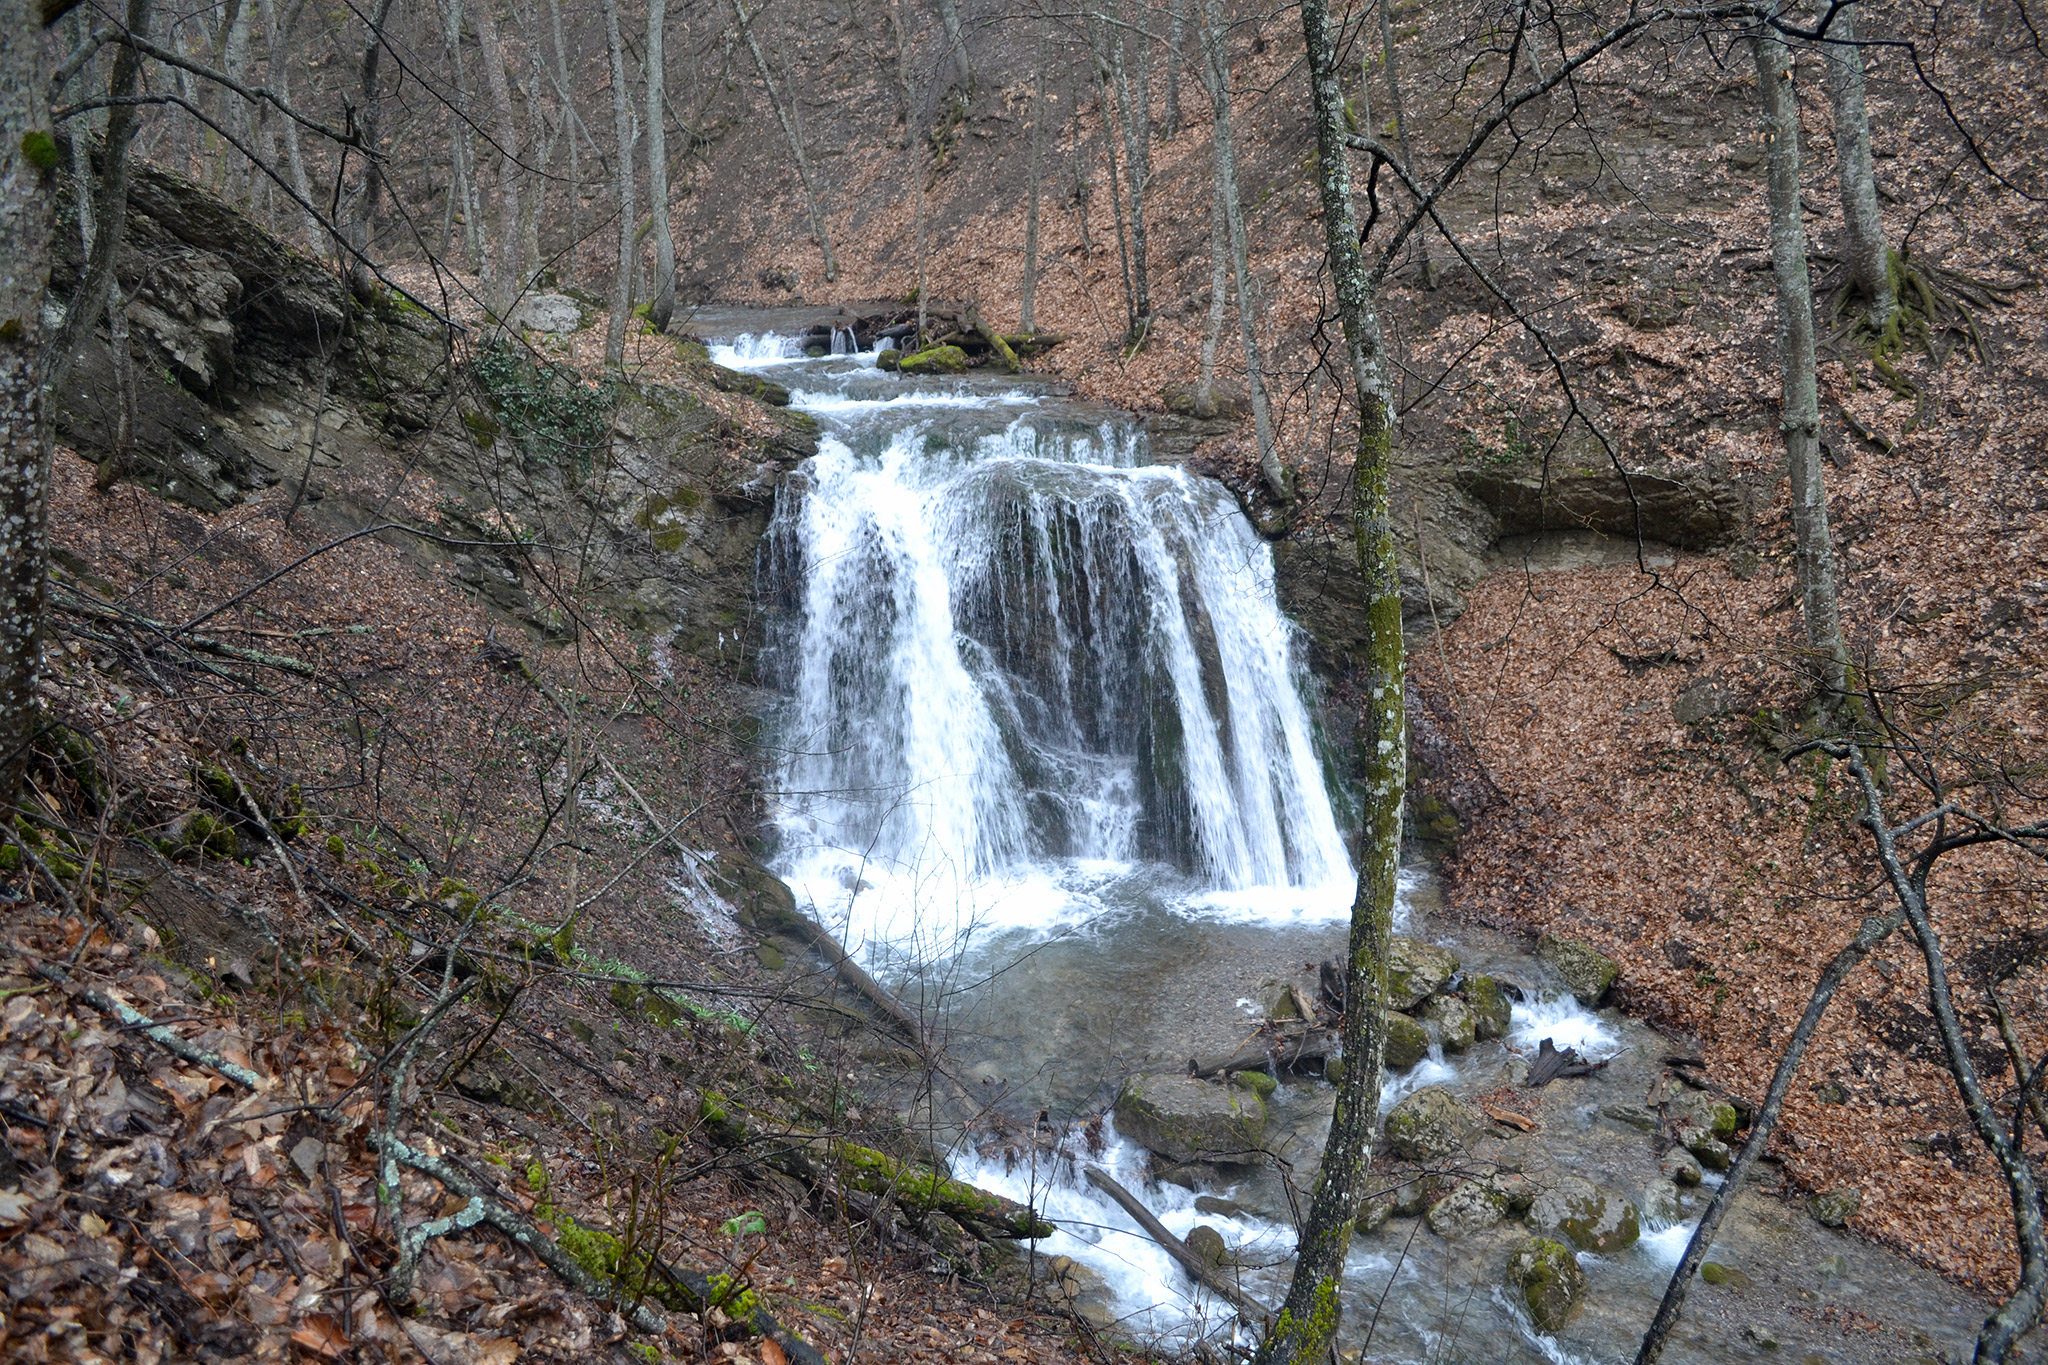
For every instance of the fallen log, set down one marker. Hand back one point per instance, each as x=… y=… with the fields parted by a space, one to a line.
x=1199 y=1270
x=1550 y=1064
x=817 y=1159
x=1277 y=1054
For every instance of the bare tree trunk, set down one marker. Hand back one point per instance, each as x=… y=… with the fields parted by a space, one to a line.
x=790 y=134
x=362 y=205
x=109 y=211
x=1176 y=35
x=956 y=48
x=622 y=163
x=1135 y=122
x=565 y=92
x=1393 y=65
x=1116 y=200
x=28 y=160
x=121 y=451
x=902 y=35
x=1219 y=290
x=234 y=61
x=464 y=194
x=503 y=271
x=1029 y=290
x=1307 y=1325
x=662 y=304
x=1216 y=67
x=1814 y=548
x=1863 y=237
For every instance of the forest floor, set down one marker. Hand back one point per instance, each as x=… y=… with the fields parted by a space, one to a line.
x=396 y=963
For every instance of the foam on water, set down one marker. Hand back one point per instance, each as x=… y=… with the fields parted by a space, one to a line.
x=1567 y=1024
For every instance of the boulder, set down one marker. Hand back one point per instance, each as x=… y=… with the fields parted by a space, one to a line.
x=1471 y=1206
x=1183 y=1119
x=1207 y=1244
x=1590 y=1217
x=1407 y=1042
x=552 y=313
x=1694 y=513
x=1835 y=1208
x=1416 y=971
x=1260 y=1083
x=1547 y=1276
x=1680 y=1167
x=1664 y=1202
x=1585 y=971
x=1631 y=1116
x=1432 y=1124
x=935 y=360
x=1211 y=402
x=1710 y=1151
x=1454 y=1022
x=1080 y=1288
x=1490 y=1009
x=1691 y=1109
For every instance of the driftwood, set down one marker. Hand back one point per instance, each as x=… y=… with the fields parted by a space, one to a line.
x=1199 y=1270
x=1551 y=1064
x=1271 y=1053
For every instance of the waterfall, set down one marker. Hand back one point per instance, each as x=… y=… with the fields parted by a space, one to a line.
x=1013 y=658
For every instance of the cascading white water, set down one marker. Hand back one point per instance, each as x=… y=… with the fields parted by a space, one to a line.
x=1015 y=657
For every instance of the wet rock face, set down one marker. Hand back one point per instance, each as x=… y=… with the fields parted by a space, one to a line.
x=1591 y=1218
x=1416 y=971
x=1208 y=1244
x=1490 y=1008
x=1183 y=1119
x=1456 y=1025
x=1471 y=1206
x=1407 y=1042
x=1547 y=1276
x=1586 y=972
x=1080 y=1288
x=1432 y=1124
x=1694 y=513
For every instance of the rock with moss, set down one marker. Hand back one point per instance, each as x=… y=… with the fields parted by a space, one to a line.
x=201 y=835
x=1471 y=1206
x=1692 y=1109
x=1586 y=972
x=1260 y=1083
x=1706 y=1148
x=1834 y=1208
x=1546 y=1275
x=1455 y=1025
x=1416 y=971
x=935 y=360
x=1432 y=1124
x=1491 y=1012
x=1680 y=1167
x=1183 y=1119
x=890 y=360
x=1407 y=1042
x=1591 y=1218
x=1723 y=1276
x=1208 y=1245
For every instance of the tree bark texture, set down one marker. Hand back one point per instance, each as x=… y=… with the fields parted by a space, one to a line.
x=662 y=303
x=1307 y=1323
x=28 y=163
x=362 y=205
x=1863 y=240
x=1219 y=287
x=1216 y=65
x=502 y=267
x=1028 y=291
x=1814 y=547
x=622 y=164
x=956 y=48
x=791 y=136
x=1135 y=121
x=1400 y=106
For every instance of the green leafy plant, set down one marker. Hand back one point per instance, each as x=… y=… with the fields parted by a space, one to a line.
x=557 y=418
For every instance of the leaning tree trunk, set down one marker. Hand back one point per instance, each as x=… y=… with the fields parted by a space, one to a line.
x=1862 y=229
x=792 y=136
x=1814 y=549
x=1308 y=1321
x=622 y=165
x=28 y=160
x=1216 y=66
x=662 y=305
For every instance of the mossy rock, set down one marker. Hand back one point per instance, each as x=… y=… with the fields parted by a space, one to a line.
x=208 y=836
x=1454 y=1022
x=1471 y=1206
x=1692 y=1109
x=1491 y=1012
x=1407 y=1043
x=1416 y=971
x=1590 y=1217
x=1183 y=1119
x=935 y=360
x=1835 y=1208
x=1431 y=1124
x=890 y=360
x=1208 y=1244
x=1710 y=1151
x=1260 y=1083
x=1714 y=1273
x=1547 y=1276
x=1585 y=971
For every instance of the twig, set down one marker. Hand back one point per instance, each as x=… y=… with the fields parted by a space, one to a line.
x=149 y=1028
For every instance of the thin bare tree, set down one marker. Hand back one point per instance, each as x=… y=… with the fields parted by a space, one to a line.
x=1028 y=290
x=361 y=210
x=503 y=273
x=622 y=187
x=783 y=115
x=662 y=304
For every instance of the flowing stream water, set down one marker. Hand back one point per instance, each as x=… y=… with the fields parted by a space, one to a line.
x=1047 y=760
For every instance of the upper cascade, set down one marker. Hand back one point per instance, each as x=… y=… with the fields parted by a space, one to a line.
x=1012 y=654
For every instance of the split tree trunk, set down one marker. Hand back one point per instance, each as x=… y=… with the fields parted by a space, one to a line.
x=790 y=135
x=662 y=301
x=622 y=163
x=28 y=159
x=1863 y=238
x=1814 y=548
x=1308 y=1321
x=1216 y=66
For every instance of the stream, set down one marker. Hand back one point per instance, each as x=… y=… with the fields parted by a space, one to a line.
x=1045 y=756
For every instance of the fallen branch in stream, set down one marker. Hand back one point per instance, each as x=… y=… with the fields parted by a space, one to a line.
x=1276 y=1053
x=1199 y=1270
